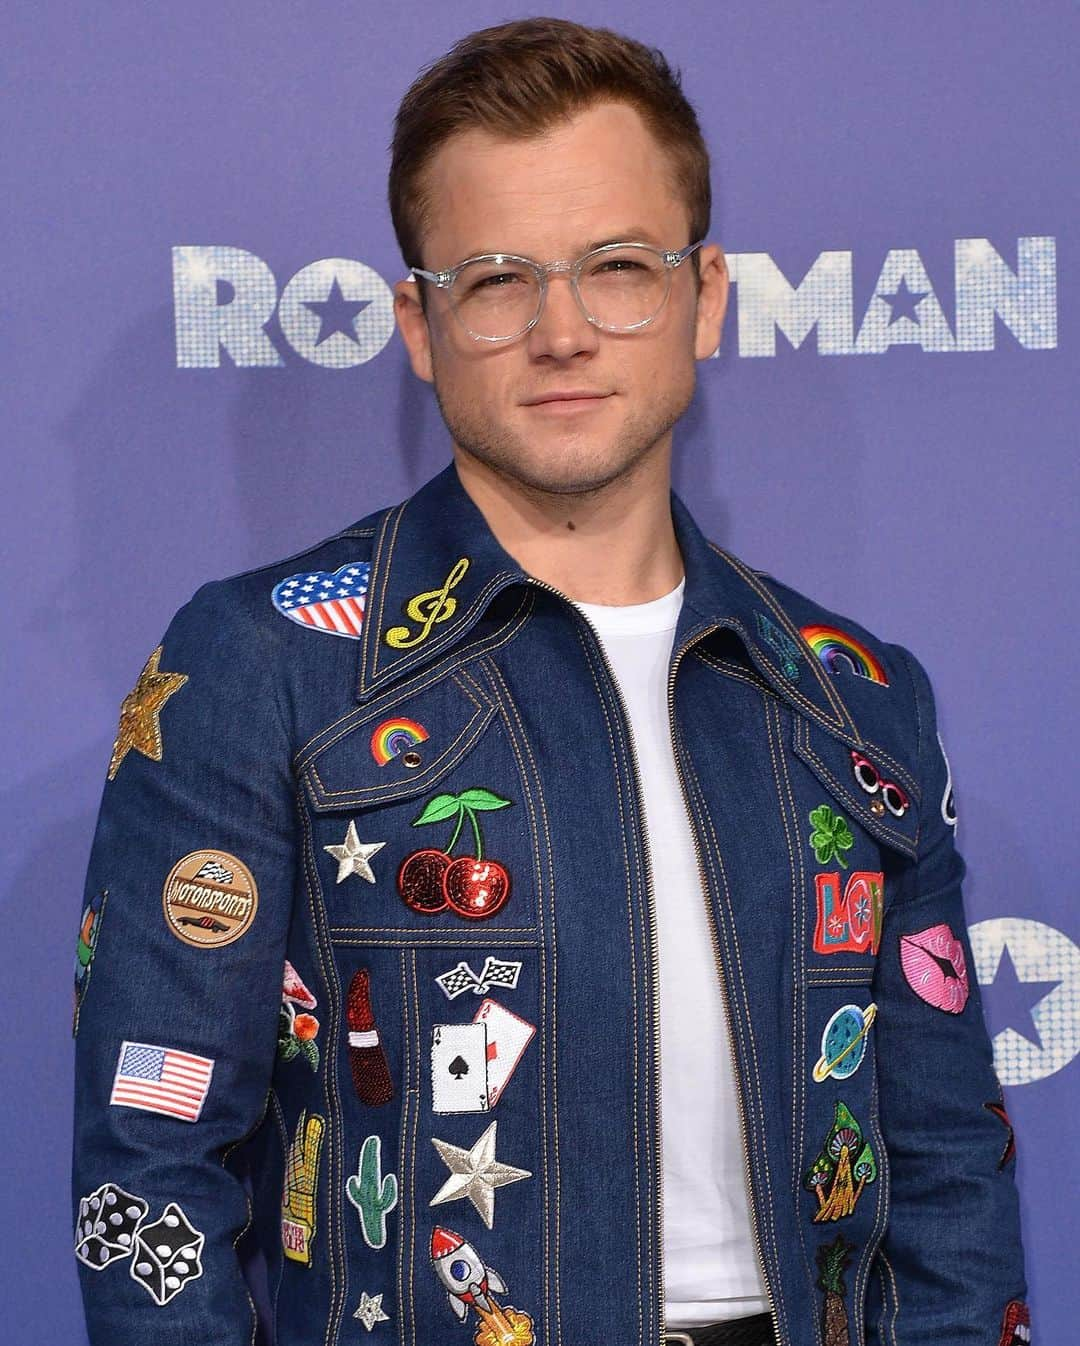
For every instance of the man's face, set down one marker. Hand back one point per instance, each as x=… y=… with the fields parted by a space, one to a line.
x=601 y=176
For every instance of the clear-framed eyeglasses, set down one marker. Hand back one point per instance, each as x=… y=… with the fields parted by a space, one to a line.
x=620 y=287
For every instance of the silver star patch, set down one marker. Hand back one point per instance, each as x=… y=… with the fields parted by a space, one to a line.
x=353 y=856
x=475 y=1173
x=370 y=1311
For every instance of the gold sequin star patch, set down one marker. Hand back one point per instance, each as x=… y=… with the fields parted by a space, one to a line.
x=140 y=727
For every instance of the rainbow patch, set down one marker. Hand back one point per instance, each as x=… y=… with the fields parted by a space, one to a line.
x=393 y=737
x=836 y=650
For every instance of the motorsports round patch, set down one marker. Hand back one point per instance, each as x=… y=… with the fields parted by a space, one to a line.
x=210 y=898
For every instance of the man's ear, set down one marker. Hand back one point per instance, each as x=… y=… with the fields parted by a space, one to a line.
x=413 y=326
x=712 y=301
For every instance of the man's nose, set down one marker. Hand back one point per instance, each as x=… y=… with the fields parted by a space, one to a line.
x=562 y=328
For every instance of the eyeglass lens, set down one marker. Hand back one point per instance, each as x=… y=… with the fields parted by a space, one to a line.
x=619 y=289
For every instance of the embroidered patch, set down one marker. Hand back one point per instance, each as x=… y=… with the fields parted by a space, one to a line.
x=325 y=601
x=475 y=1174
x=473 y=887
x=429 y=608
x=108 y=1221
x=844 y=1167
x=89 y=930
x=469 y=1282
x=935 y=968
x=471 y=1064
x=140 y=713
x=833 y=1259
x=373 y=1195
x=370 y=1310
x=849 y=921
x=210 y=898
x=998 y=1109
x=394 y=737
x=301 y=1183
x=843 y=1043
x=1016 y=1324
x=354 y=856
x=887 y=794
x=495 y=972
x=297 y=1027
x=507 y=1037
x=781 y=643
x=831 y=835
x=948 y=803
x=836 y=650
x=167 y=1255
x=367 y=1060
x=161 y=1079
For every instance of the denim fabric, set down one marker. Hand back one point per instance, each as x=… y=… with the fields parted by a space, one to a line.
x=267 y=757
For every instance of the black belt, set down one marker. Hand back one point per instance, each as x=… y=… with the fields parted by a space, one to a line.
x=755 y=1331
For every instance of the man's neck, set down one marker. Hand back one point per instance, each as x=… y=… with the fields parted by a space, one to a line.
x=615 y=546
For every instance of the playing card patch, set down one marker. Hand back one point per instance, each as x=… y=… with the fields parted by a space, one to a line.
x=849 y=919
x=167 y=1255
x=89 y=930
x=322 y=601
x=935 y=969
x=462 y=978
x=373 y=1195
x=471 y=1064
x=109 y=1219
x=1016 y=1325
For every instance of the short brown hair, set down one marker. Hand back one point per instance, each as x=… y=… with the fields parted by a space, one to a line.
x=518 y=79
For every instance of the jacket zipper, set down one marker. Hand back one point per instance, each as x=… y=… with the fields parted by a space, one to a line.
x=654 y=952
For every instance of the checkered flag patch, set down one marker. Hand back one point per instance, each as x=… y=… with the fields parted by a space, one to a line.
x=215 y=872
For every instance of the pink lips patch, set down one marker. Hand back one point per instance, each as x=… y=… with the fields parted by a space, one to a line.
x=934 y=968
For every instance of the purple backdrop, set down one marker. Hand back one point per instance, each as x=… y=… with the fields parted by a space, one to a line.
x=890 y=426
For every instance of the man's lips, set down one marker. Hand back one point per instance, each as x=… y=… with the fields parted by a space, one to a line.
x=567 y=401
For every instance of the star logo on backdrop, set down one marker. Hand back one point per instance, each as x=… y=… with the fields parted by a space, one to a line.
x=370 y=1311
x=336 y=314
x=1011 y=1002
x=475 y=1174
x=1029 y=974
x=904 y=301
x=353 y=855
x=140 y=725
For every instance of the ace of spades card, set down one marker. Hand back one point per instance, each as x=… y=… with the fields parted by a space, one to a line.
x=471 y=1064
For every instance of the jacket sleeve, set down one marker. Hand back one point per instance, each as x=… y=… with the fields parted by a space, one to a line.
x=178 y=982
x=951 y=1263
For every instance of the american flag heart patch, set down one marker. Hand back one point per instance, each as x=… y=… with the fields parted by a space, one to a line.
x=324 y=601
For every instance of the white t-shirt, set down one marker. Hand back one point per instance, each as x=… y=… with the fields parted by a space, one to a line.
x=710 y=1267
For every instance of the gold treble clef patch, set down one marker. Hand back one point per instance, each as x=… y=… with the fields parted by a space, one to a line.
x=435 y=605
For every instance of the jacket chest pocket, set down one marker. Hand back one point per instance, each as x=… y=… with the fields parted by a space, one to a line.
x=424 y=843
x=420 y=830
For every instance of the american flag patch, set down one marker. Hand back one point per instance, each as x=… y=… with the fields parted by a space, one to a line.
x=325 y=601
x=161 y=1079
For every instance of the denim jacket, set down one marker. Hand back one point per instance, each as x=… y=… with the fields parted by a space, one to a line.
x=368 y=965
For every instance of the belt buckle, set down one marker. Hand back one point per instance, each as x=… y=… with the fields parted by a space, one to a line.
x=683 y=1338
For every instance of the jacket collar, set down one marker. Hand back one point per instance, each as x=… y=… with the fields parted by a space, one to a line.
x=436 y=565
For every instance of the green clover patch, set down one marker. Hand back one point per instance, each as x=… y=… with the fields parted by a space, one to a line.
x=830 y=836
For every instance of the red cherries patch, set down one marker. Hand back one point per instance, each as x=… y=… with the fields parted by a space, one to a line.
x=472 y=886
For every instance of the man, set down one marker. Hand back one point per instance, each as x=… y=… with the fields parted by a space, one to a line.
x=558 y=920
